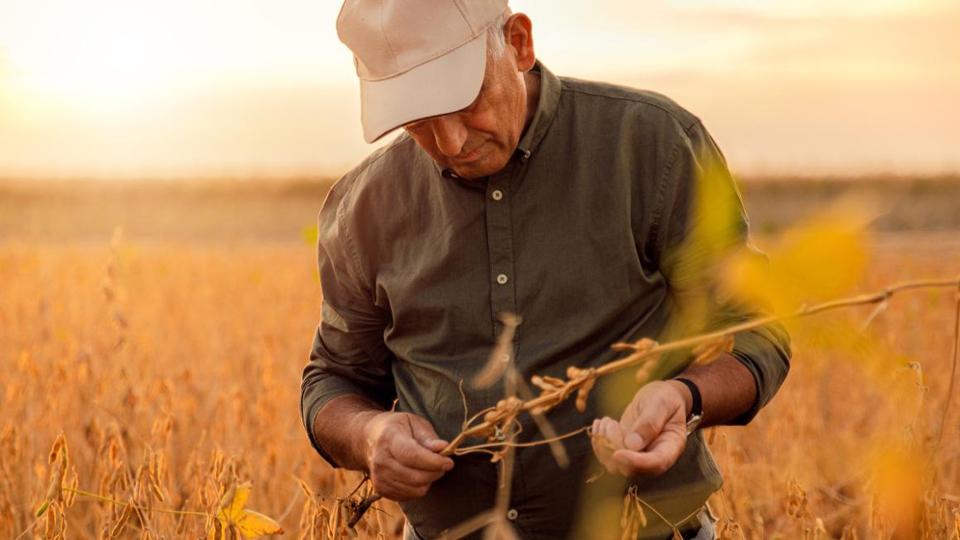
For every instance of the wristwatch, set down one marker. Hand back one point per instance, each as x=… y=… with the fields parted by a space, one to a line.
x=696 y=409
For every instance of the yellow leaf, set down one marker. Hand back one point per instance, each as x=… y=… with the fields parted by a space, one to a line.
x=254 y=524
x=234 y=508
x=233 y=515
x=821 y=258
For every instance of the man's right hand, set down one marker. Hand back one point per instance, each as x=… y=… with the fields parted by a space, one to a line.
x=402 y=455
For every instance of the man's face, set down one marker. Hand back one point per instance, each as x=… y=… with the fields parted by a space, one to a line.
x=478 y=140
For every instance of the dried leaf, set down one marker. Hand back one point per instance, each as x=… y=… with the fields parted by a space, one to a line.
x=233 y=515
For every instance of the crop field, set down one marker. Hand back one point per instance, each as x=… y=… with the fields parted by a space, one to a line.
x=167 y=352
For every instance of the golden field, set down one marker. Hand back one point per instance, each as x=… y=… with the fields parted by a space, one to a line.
x=169 y=356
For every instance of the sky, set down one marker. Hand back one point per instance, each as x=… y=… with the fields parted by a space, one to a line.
x=159 y=88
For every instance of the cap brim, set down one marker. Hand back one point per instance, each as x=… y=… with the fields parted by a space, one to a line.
x=443 y=85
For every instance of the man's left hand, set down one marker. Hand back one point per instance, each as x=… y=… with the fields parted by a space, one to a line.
x=650 y=435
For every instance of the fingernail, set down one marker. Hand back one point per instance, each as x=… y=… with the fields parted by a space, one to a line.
x=633 y=441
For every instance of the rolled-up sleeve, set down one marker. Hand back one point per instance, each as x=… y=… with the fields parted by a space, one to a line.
x=348 y=355
x=702 y=221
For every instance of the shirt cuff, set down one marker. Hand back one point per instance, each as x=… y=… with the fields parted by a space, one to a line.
x=314 y=397
x=768 y=360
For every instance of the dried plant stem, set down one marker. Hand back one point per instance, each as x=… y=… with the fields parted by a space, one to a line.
x=953 y=370
x=549 y=399
x=28 y=529
x=99 y=497
x=478 y=447
x=644 y=350
x=675 y=527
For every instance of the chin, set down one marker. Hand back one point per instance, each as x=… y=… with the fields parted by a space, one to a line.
x=482 y=167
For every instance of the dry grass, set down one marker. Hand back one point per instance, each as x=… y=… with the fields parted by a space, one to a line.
x=190 y=353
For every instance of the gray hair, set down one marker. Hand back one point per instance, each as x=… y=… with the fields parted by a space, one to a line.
x=496 y=39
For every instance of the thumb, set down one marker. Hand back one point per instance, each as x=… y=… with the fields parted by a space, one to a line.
x=646 y=427
x=424 y=434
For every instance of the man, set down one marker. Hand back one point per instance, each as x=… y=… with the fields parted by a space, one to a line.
x=512 y=190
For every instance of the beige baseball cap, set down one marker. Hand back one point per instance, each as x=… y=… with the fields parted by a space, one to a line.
x=415 y=58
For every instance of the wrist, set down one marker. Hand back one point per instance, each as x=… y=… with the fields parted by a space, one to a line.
x=363 y=425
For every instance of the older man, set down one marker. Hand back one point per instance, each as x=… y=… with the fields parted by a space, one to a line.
x=512 y=190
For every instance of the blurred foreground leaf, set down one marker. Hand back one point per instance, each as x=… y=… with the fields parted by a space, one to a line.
x=823 y=257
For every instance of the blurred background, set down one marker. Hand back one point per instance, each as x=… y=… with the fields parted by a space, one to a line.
x=162 y=164
x=174 y=90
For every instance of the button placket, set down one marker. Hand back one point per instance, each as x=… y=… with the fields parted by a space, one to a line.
x=500 y=248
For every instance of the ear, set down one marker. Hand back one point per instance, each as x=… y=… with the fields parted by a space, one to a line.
x=518 y=31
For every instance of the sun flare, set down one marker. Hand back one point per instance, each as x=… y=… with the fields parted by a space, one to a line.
x=113 y=51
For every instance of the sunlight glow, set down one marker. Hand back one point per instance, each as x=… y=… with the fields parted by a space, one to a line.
x=112 y=53
x=243 y=85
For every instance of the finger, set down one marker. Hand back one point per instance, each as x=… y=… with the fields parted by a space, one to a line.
x=413 y=478
x=656 y=459
x=611 y=431
x=410 y=453
x=599 y=444
x=612 y=439
x=647 y=426
x=435 y=445
x=399 y=492
x=424 y=433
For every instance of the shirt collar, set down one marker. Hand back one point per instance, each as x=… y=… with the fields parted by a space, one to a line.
x=547 y=104
x=546 y=109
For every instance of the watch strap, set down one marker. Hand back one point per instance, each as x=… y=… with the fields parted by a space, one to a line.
x=696 y=407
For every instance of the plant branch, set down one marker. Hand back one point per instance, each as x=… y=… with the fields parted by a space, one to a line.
x=580 y=381
x=103 y=498
x=551 y=398
x=953 y=369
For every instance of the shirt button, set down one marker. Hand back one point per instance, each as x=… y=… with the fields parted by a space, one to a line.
x=496 y=195
x=502 y=279
x=512 y=514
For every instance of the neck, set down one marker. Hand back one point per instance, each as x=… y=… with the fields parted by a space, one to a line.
x=532 y=82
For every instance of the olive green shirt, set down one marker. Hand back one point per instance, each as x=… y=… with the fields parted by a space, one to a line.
x=573 y=235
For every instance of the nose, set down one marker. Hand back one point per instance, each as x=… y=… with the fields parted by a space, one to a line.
x=450 y=134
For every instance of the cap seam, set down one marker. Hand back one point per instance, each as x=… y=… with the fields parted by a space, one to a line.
x=386 y=39
x=483 y=61
x=465 y=18
x=428 y=60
